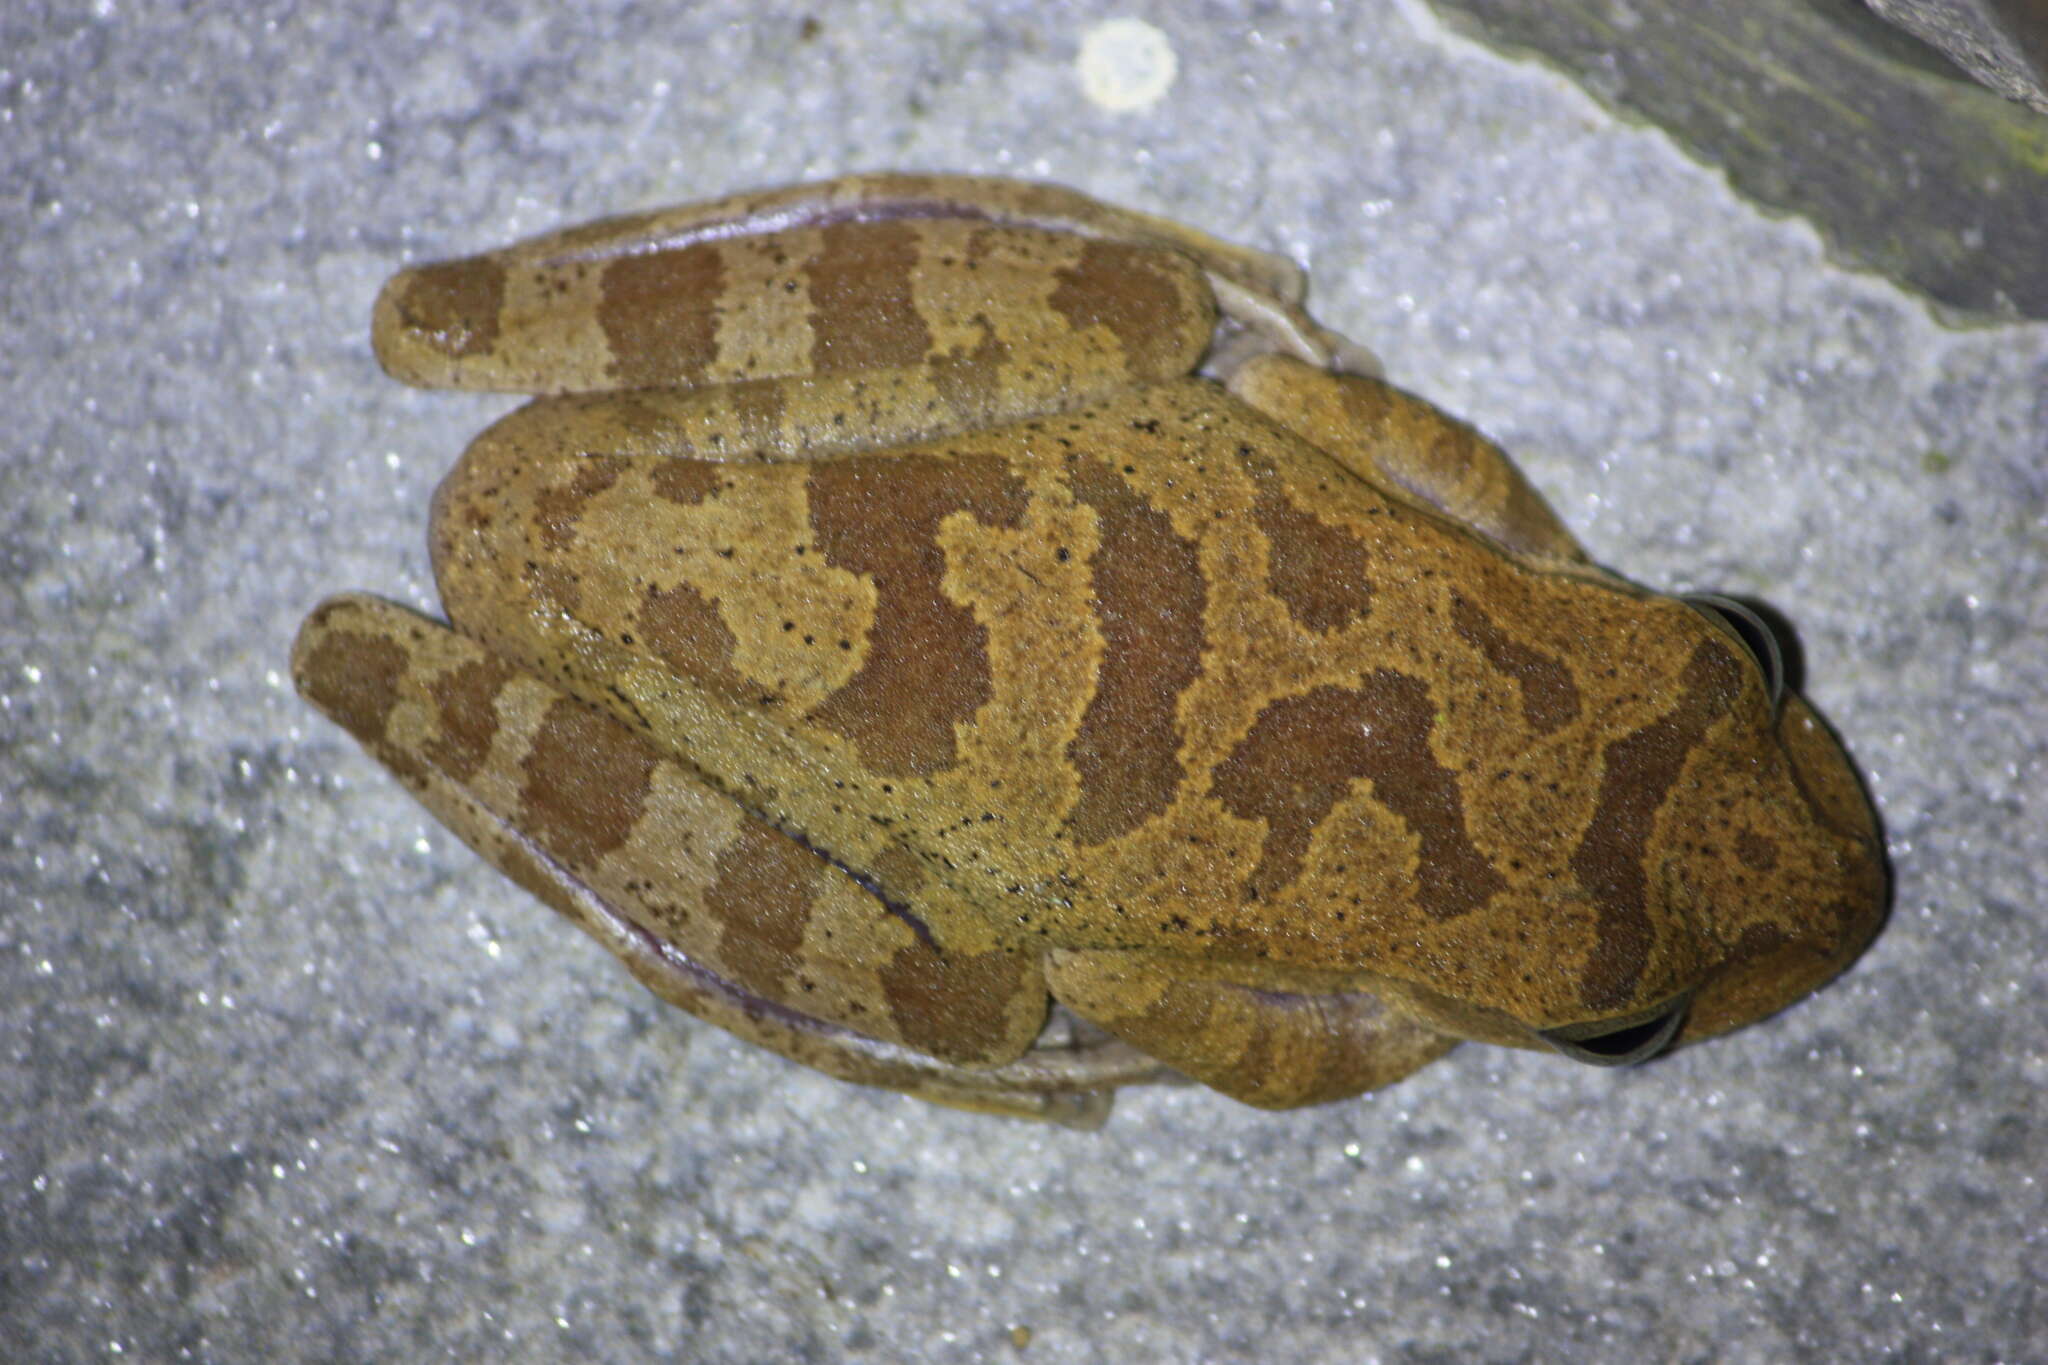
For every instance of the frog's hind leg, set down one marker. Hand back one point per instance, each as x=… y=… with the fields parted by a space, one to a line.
x=964 y=317
x=812 y=341
x=713 y=909
x=1409 y=449
x=1272 y=1049
x=908 y=307
x=1257 y=292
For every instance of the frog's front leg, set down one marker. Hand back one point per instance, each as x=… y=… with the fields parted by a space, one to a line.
x=1410 y=449
x=1276 y=1049
x=713 y=909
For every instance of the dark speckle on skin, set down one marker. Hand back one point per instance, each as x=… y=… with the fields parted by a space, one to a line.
x=586 y=782
x=465 y=700
x=1123 y=288
x=862 y=314
x=1300 y=759
x=659 y=313
x=761 y=898
x=1317 y=570
x=454 y=306
x=927 y=664
x=1148 y=595
x=1639 y=770
x=354 y=678
x=1550 y=700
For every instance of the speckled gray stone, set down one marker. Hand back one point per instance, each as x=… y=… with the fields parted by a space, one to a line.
x=289 y=1075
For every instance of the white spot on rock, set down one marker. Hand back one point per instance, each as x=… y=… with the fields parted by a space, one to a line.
x=1126 y=65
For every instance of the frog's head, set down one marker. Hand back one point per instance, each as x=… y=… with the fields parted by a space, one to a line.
x=1711 y=856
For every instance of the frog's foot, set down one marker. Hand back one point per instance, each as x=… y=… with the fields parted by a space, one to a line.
x=1255 y=324
x=1269 y=1048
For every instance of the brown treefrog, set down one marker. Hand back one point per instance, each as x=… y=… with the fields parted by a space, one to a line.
x=919 y=602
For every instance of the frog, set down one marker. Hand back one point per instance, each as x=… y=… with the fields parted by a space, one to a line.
x=981 y=642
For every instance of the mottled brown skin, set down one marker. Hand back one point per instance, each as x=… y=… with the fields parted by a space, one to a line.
x=894 y=628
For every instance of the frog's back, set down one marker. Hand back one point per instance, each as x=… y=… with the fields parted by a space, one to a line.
x=1119 y=675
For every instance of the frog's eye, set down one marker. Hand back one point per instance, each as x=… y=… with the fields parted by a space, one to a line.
x=1624 y=1046
x=1754 y=632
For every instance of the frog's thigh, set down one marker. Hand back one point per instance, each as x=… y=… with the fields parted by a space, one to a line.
x=1267 y=1048
x=714 y=910
x=849 y=273
x=929 y=324
x=884 y=195
x=1407 y=446
x=1259 y=292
